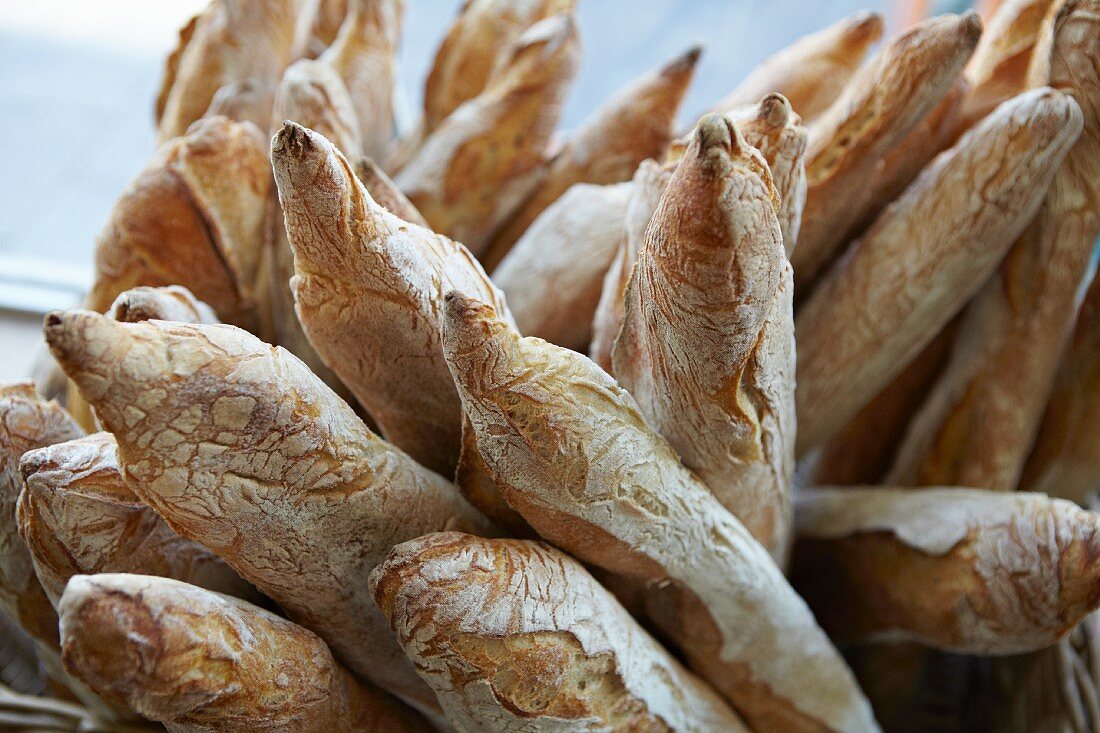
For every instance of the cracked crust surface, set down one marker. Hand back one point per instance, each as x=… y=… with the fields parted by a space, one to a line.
x=924 y=257
x=202 y=662
x=970 y=571
x=516 y=636
x=706 y=346
x=239 y=447
x=591 y=476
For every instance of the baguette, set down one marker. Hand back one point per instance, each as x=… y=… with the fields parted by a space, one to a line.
x=548 y=648
x=1065 y=461
x=980 y=421
x=813 y=71
x=369 y=290
x=479 y=166
x=325 y=18
x=880 y=106
x=637 y=123
x=969 y=571
x=363 y=56
x=646 y=188
x=192 y=217
x=245 y=100
x=230 y=40
x=553 y=276
x=712 y=286
x=201 y=662
x=591 y=476
x=240 y=448
x=924 y=257
x=172 y=65
x=169 y=303
x=79 y=516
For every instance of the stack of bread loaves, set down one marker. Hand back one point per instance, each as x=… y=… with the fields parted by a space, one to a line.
x=332 y=457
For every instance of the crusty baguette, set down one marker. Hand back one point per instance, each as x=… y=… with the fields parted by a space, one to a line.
x=229 y=40
x=812 y=71
x=79 y=516
x=193 y=217
x=479 y=166
x=245 y=100
x=548 y=648
x=707 y=342
x=964 y=570
x=201 y=662
x=646 y=188
x=924 y=257
x=635 y=124
x=239 y=447
x=369 y=289
x=880 y=106
x=1065 y=461
x=552 y=278
x=979 y=423
x=168 y=303
x=591 y=476
x=999 y=67
x=319 y=25
x=363 y=56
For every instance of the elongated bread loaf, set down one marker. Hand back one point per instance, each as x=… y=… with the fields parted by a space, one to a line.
x=812 y=71
x=553 y=276
x=168 y=303
x=228 y=41
x=880 y=106
x=479 y=166
x=319 y=25
x=591 y=476
x=369 y=290
x=971 y=571
x=707 y=343
x=979 y=423
x=201 y=662
x=363 y=55
x=79 y=516
x=192 y=217
x=239 y=447
x=547 y=649
x=1065 y=461
x=637 y=123
x=924 y=257
x=245 y=100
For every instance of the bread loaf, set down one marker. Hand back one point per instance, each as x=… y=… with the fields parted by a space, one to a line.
x=591 y=476
x=479 y=166
x=245 y=100
x=79 y=516
x=637 y=123
x=969 y=571
x=516 y=636
x=168 y=303
x=239 y=447
x=707 y=343
x=201 y=662
x=813 y=71
x=924 y=257
x=319 y=25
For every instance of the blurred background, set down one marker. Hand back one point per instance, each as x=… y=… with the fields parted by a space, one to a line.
x=78 y=79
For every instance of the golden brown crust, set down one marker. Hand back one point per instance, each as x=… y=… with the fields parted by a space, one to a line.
x=246 y=100
x=880 y=106
x=486 y=159
x=970 y=571
x=635 y=124
x=231 y=40
x=1065 y=461
x=980 y=421
x=172 y=65
x=324 y=24
x=386 y=193
x=205 y=663
x=192 y=217
x=239 y=447
x=591 y=476
x=369 y=291
x=169 y=303
x=78 y=516
x=548 y=650
x=924 y=257
x=712 y=286
x=553 y=276
x=813 y=71
x=363 y=56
